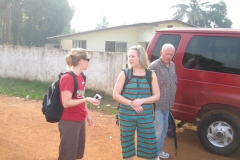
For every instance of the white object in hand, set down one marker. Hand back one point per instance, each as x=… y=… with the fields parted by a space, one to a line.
x=97 y=97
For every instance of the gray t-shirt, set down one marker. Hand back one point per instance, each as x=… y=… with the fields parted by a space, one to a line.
x=167 y=81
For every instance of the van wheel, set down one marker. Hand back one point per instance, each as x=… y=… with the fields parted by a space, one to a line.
x=219 y=132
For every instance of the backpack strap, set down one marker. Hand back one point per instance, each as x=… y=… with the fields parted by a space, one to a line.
x=149 y=78
x=171 y=133
x=175 y=134
x=75 y=82
x=128 y=75
x=84 y=76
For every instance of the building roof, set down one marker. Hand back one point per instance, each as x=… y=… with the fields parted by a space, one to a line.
x=119 y=27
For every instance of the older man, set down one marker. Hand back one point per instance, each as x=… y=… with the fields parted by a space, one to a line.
x=167 y=80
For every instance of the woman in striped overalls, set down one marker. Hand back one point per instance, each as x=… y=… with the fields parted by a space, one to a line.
x=135 y=106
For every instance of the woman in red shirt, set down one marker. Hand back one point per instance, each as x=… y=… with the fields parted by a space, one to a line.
x=72 y=122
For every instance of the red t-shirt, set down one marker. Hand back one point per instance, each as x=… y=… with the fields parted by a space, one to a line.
x=77 y=113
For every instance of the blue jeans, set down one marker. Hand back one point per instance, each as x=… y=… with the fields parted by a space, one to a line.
x=161 y=127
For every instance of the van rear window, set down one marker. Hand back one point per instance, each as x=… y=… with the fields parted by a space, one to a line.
x=173 y=39
x=218 y=54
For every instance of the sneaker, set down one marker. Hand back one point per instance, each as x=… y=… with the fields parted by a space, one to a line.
x=158 y=158
x=163 y=155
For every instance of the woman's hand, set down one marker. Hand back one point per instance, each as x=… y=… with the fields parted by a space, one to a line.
x=138 y=109
x=137 y=102
x=137 y=105
x=93 y=101
x=89 y=120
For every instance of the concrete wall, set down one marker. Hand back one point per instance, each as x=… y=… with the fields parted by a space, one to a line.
x=33 y=63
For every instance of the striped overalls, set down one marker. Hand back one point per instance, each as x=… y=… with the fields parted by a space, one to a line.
x=130 y=121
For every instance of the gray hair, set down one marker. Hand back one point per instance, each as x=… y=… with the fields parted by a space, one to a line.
x=168 y=45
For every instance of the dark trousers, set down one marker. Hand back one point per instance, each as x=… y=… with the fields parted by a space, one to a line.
x=72 y=144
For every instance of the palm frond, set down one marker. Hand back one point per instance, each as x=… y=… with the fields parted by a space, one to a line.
x=184 y=6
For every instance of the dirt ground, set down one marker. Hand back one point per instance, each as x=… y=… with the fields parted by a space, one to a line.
x=25 y=135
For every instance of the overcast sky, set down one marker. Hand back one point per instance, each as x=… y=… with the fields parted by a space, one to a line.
x=119 y=12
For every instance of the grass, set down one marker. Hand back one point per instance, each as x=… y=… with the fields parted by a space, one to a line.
x=19 y=88
x=36 y=91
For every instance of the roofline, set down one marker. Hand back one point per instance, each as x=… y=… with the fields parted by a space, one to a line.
x=172 y=20
x=118 y=27
x=199 y=30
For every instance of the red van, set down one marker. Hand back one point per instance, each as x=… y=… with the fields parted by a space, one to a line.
x=208 y=91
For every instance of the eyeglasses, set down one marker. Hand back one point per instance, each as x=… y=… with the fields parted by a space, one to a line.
x=86 y=59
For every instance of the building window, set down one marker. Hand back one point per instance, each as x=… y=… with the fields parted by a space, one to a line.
x=170 y=26
x=218 y=54
x=79 y=44
x=56 y=46
x=112 y=46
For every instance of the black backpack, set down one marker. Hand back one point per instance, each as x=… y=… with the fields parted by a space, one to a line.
x=171 y=133
x=51 y=106
x=128 y=78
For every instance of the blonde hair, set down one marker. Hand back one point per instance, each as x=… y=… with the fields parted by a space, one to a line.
x=74 y=56
x=143 y=58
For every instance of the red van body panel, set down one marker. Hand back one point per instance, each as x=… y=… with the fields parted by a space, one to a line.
x=199 y=88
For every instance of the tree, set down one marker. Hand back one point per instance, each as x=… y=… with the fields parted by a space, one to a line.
x=16 y=20
x=202 y=14
x=193 y=10
x=103 y=24
x=74 y=30
x=33 y=20
x=4 y=23
x=44 y=19
x=217 y=16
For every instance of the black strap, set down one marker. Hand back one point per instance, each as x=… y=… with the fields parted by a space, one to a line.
x=175 y=144
x=175 y=136
x=128 y=77
x=75 y=82
x=130 y=74
x=117 y=120
x=84 y=77
x=149 y=78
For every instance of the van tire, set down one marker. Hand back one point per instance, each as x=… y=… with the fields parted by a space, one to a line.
x=222 y=125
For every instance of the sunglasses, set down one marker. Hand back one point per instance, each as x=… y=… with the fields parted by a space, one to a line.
x=86 y=59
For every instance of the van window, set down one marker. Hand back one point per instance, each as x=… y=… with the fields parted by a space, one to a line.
x=219 y=54
x=173 y=39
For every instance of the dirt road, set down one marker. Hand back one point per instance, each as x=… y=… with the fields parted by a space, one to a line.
x=25 y=135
